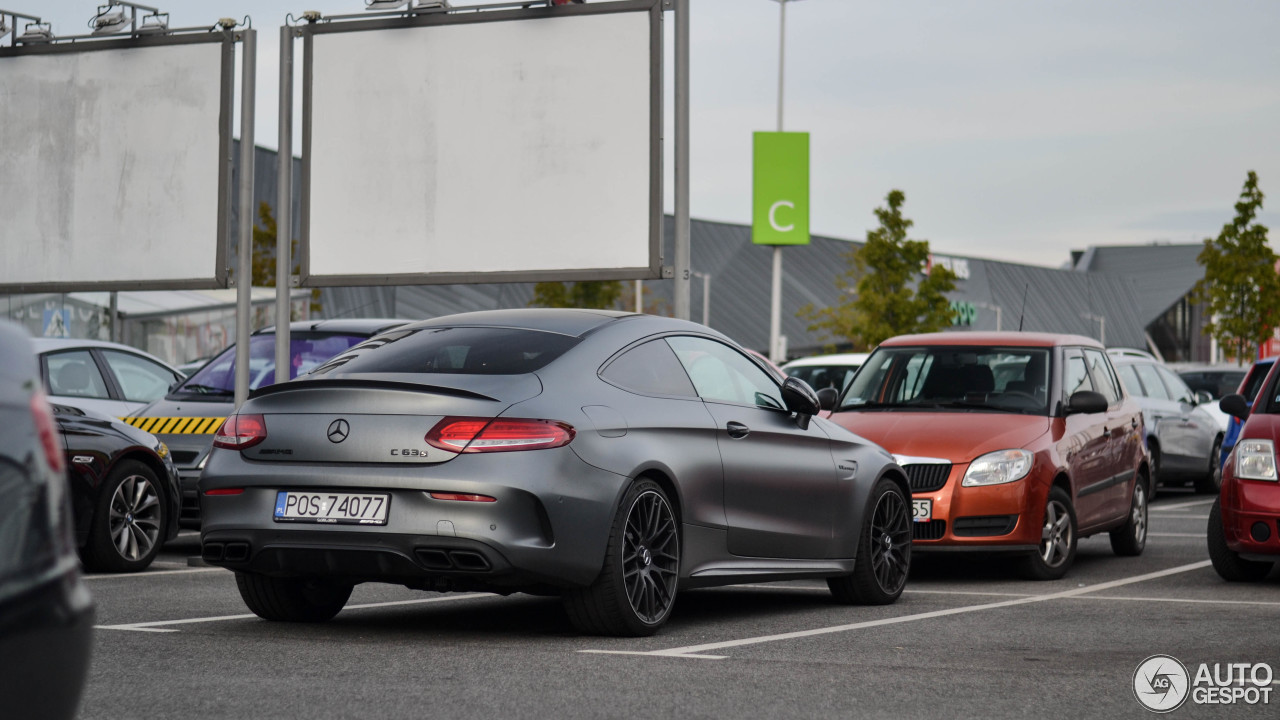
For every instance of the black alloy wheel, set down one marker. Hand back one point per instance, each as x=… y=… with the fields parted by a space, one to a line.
x=884 y=551
x=636 y=590
x=129 y=521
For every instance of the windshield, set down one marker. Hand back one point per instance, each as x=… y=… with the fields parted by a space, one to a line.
x=963 y=378
x=453 y=350
x=307 y=351
x=824 y=376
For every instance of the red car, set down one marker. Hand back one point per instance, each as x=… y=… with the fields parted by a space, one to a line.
x=1244 y=525
x=1013 y=443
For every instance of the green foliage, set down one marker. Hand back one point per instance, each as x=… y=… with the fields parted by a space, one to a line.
x=1240 y=285
x=882 y=294
x=596 y=294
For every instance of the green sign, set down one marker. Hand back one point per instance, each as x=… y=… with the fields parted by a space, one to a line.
x=780 y=193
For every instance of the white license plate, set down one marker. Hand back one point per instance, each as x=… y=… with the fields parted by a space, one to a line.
x=332 y=508
x=921 y=510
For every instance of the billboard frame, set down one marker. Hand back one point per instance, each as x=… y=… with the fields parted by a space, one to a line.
x=226 y=93
x=350 y=23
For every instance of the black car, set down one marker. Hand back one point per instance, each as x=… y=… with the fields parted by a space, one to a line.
x=186 y=418
x=46 y=615
x=124 y=490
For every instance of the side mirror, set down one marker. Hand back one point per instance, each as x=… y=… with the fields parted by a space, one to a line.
x=827 y=398
x=800 y=399
x=1235 y=406
x=1203 y=396
x=1086 y=401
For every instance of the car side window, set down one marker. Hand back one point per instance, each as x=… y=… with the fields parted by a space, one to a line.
x=1103 y=378
x=1178 y=389
x=1151 y=381
x=74 y=374
x=722 y=374
x=140 y=379
x=1076 y=376
x=1130 y=379
x=649 y=369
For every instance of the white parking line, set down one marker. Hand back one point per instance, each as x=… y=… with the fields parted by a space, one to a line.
x=1179 y=506
x=695 y=651
x=150 y=574
x=1189 y=601
x=159 y=625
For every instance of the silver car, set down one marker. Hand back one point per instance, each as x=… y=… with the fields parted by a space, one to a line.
x=102 y=377
x=608 y=457
x=1184 y=439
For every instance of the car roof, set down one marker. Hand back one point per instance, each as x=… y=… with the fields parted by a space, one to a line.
x=46 y=345
x=349 y=326
x=832 y=359
x=1005 y=338
x=564 y=321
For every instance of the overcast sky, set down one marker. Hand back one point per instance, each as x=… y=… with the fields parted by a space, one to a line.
x=1018 y=130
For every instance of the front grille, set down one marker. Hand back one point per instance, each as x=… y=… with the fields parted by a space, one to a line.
x=927 y=477
x=932 y=530
x=985 y=525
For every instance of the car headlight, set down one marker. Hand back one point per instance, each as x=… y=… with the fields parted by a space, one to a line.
x=162 y=450
x=996 y=468
x=1256 y=460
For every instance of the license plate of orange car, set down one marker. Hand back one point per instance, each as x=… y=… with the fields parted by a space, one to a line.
x=921 y=510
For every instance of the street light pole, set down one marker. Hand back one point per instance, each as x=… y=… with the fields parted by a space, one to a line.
x=776 y=352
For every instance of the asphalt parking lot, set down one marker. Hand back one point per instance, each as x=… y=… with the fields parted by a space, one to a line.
x=967 y=639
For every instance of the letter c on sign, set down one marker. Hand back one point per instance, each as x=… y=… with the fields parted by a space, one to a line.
x=773 y=215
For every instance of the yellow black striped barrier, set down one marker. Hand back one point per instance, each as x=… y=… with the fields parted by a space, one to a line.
x=176 y=426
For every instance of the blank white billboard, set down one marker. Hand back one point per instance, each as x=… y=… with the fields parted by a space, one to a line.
x=472 y=148
x=110 y=166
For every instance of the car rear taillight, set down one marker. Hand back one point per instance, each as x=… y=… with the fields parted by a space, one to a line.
x=462 y=497
x=241 y=431
x=224 y=491
x=47 y=429
x=478 y=435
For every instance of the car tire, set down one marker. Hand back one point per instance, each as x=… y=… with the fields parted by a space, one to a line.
x=292 y=599
x=1057 y=550
x=1130 y=539
x=1211 y=483
x=1226 y=561
x=129 y=521
x=636 y=589
x=884 y=550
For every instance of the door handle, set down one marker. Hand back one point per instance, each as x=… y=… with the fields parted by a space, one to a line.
x=737 y=430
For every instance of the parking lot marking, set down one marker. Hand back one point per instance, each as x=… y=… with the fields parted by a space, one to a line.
x=153 y=573
x=159 y=625
x=825 y=589
x=1190 y=601
x=695 y=651
x=1187 y=504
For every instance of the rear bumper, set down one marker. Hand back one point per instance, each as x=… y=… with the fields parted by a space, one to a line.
x=548 y=526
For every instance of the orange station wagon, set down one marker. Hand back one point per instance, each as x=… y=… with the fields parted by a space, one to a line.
x=1013 y=442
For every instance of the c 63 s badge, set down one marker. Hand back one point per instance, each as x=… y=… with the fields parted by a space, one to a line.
x=409 y=452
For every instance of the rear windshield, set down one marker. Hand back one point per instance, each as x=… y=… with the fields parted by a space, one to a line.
x=306 y=351
x=952 y=378
x=455 y=350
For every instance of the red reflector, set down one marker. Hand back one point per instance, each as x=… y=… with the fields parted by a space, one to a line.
x=224 y=491
x=464 y=497
x=241 y=431
x=477 y=435
x=47 y=428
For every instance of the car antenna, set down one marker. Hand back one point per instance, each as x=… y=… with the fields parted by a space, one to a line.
x=1023 y=313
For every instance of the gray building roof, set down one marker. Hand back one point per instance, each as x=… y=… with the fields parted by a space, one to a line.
x=741 y=273
x=1160 y=274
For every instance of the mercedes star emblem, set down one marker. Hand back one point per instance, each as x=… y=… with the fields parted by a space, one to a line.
x=339 y=430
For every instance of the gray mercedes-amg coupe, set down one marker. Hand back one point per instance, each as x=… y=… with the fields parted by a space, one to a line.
x=611 y=458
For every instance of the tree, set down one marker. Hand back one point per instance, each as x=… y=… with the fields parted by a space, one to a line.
x=264 y=254
x=1240 y=285
x=882 y=294
x=597 y=294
